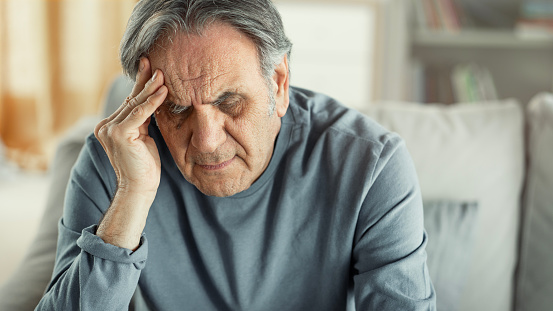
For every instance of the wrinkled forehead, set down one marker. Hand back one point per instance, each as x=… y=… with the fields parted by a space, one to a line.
x=203 y=64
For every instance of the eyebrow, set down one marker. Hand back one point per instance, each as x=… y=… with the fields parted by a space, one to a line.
x=223 y=97
x=217 y=102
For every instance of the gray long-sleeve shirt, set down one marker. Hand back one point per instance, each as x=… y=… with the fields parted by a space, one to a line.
x=336 y=214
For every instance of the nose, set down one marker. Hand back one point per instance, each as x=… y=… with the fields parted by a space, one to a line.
x=208 y=131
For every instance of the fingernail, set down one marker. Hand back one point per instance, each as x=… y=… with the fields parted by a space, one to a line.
x=154 y=76
x=141 y=65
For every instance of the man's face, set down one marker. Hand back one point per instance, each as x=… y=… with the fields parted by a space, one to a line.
x=216 y=119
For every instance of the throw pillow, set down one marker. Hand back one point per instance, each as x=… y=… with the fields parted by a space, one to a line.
x=450 y=229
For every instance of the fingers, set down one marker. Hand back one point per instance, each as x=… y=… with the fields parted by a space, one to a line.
x=137 y=109
x=144 y=74
x=151 y=86
x=132 y=116
x=142 y=112
x=144 y=87
x=142 y=77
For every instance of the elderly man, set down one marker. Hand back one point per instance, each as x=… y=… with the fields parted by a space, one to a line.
x=216 y=186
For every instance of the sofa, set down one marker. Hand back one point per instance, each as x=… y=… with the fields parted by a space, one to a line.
x=486 y=176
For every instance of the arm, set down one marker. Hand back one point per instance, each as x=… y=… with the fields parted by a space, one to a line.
x=389 y=250
x=97 y=267
x=135 y=159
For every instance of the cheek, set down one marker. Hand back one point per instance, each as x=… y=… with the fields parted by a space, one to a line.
x=174 y=137
x=246 y=132
x=257 y=137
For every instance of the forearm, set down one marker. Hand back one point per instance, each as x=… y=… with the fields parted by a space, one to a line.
x=123 y=223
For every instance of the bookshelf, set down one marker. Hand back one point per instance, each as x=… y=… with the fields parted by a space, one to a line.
x=484 y=38
x=520 y=62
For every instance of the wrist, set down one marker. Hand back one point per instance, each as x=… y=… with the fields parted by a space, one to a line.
x=125 y=219
x=137 y=195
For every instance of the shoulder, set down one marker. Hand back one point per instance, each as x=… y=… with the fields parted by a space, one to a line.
x=323 y=113
x=347 y=155
x=342 y=131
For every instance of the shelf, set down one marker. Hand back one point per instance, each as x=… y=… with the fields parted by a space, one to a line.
x=480 y=39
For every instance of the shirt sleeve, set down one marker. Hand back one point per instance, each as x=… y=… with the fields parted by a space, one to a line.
x=389 y=256
x=90 y=274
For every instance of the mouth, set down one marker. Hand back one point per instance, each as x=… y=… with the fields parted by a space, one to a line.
x=218 y=166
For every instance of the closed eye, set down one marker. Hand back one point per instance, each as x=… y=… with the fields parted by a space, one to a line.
x=231 y=107
x=229 y=103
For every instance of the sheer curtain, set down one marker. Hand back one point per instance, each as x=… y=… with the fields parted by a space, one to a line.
x=56 y=59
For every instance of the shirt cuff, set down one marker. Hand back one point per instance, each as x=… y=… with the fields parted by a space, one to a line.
x=95 y=246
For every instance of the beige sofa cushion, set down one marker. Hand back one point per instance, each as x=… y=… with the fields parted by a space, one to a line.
x=535 y=282
x=471 y=152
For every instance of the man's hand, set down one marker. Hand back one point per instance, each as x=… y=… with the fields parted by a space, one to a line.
x=134 y=157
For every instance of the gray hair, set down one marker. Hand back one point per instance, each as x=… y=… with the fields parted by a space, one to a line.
x=155 y=19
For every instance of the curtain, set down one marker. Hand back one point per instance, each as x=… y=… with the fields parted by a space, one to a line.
x=56 y=59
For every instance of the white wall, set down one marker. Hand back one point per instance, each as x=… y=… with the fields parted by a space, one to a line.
x=334 y=48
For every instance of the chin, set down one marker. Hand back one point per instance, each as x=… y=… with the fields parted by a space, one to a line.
x=216 y=185
x=219 y=190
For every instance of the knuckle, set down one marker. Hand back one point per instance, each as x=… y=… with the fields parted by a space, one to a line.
x=103 y=129
x=149 y=102
x=111 y=131
x=103 y=132
x=132 y=102
x=138 y=110
x=98 y=127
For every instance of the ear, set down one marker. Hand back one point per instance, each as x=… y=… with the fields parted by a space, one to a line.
x=281 y=83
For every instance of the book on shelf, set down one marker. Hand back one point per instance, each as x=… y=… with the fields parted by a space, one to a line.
x=535 y=19
x=448 y=85
x=440 y=15
x=453 y=16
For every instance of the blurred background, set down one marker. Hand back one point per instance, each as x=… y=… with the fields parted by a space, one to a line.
x=57 y=59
